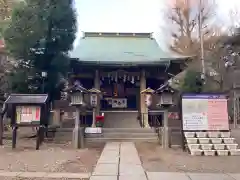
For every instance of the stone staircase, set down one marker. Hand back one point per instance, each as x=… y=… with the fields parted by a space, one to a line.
x=118 y=126
x=124 y=134
x=211 y=143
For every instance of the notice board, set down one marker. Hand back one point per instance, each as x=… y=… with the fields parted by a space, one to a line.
x=28 y=114
x=204 y=112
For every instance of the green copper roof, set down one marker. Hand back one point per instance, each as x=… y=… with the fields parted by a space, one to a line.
x=120 y=48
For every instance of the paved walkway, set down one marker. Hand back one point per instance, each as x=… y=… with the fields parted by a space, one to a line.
x=119 y=160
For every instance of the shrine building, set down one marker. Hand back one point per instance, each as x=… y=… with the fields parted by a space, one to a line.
x=121 y=65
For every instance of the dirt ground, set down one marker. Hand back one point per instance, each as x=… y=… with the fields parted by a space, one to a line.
x=156 y=159
x=51 y=157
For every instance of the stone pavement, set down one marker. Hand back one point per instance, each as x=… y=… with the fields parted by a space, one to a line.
x=119 y=161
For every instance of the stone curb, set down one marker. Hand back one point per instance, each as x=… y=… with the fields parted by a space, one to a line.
x=44 y=175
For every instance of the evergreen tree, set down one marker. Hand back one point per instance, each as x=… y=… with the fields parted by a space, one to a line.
x=39 y=37
x=192 y=82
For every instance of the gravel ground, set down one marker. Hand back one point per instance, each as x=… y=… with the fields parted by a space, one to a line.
x=51 y=157
x=156 y=159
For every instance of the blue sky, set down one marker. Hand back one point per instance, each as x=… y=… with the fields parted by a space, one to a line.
x=133 y=15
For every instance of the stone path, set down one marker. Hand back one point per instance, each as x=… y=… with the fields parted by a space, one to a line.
x=119 y=161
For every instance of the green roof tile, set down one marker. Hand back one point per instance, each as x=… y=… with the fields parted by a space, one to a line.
x=120 y=48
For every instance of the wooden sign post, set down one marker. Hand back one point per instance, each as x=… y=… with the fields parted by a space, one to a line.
x=28 y=110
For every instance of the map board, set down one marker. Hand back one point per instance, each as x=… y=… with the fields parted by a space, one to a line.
x=28 y=114
x=204 y=112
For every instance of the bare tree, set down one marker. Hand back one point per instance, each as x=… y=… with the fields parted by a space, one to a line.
x=234 y=16
x=184 y=16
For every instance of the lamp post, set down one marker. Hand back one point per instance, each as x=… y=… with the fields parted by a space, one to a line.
x=148 y=102
x=76 y=99
x=94 y=95
x=44 y=75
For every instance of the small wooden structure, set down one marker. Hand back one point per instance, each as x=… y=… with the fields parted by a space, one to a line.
x=28 y=110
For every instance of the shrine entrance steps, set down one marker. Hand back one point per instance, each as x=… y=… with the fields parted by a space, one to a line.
x=123 y=135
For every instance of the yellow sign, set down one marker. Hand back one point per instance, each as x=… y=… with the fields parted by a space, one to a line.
x=28 y=114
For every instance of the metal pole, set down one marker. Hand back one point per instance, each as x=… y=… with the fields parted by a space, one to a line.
x=203 y=76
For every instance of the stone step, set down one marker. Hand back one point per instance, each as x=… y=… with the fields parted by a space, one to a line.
x=121 y=134
x=103 y=139
x=129 y=130
x=130 y=135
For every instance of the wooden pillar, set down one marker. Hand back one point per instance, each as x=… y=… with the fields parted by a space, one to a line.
x=96 y=111
x=143 y=107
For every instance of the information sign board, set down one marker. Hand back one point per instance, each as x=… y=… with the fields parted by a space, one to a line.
x=28 y=114
x=205 y=112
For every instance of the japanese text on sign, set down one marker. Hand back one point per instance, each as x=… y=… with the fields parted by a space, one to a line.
x=204 y=112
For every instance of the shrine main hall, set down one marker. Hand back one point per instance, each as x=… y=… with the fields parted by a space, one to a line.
x=121 y=65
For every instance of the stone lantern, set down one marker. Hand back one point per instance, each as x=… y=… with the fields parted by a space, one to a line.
x=94 y=99
x=166 y=95
x=166 y=101
x=76 y=94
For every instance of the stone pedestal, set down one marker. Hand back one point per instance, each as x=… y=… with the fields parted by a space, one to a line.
x=165 y=130
x=78 y=133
